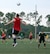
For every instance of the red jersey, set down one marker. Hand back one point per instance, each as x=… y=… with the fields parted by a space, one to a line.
x=30 y=35
x=3 y=35
x=17 y=23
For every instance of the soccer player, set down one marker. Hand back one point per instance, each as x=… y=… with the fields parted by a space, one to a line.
x=16 y=27
x=30 y=36
x=42 y=38
x=3 y=36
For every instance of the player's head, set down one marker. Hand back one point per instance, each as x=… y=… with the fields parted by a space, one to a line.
x=30 y=31
x=17 y=15
x=42 y=31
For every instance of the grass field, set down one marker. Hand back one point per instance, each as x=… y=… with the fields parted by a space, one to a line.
x=24 y=47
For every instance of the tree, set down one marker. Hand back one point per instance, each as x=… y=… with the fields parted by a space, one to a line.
x=38 y=22
x=39 y=19
x=22 y=14
x=13 y=14
x=48 y=16
x=29 y=16
x=1 y=14
x=48 y=21
x=8 y=15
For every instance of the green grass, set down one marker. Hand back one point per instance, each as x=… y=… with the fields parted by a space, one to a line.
x=24 y=47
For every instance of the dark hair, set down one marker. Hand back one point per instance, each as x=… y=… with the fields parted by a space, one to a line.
x=17 y=15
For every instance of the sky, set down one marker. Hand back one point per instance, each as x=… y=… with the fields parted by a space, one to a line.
x=43 y=7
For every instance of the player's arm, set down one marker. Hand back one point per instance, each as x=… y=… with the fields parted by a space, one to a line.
x=23 y=22
x=46 y=36
x=10 y=22
x=39 y=36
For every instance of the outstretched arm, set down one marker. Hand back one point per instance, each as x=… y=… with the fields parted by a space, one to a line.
x=10 y=22
x=23 y=22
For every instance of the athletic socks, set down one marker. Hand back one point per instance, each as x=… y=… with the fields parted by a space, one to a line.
x=38 y=45
x=15 y=44
x=44 y=45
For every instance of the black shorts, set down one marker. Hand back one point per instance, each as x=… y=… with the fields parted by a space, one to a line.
x=40 y=40
x=30 y=37
x=15 y=32
x=3 y=38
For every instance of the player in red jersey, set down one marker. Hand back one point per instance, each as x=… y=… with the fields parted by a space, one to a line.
x=3 y=36
x=30 y=36
x=16 y=27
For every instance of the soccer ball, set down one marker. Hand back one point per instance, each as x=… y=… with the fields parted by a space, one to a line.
x=18 y=4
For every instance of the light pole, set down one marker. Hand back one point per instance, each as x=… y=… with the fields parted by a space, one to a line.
x=35 y=13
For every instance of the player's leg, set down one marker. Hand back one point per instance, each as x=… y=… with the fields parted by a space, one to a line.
x=39 y=42
x=15 y=43
x=14 y=39
x=44 y=43
x=31 y=39
x=14 y=36
x=3 y=39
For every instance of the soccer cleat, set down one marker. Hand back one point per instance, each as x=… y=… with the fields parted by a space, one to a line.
x=12 y=44
x=44 y=46
x=15 y=44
